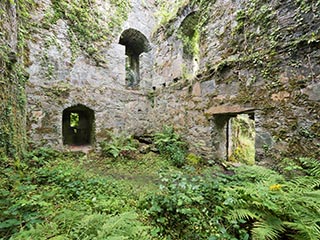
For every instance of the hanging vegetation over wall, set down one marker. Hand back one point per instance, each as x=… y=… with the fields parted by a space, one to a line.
x=275 y=48
x=14 y=28
x=166 y=18
x=88 y=27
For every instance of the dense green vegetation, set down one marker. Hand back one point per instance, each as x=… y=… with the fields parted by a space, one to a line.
x=171 y=146
x=53 y=195
x=250 y=203
x=13 y=76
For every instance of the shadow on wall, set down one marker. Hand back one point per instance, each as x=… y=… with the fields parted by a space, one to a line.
x=78 y=125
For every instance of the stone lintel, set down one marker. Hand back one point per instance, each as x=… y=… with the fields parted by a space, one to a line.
x=227 y=110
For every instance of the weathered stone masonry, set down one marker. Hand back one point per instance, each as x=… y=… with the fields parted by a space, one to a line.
x=58 y=83
x=12 y=81
x=256 y=58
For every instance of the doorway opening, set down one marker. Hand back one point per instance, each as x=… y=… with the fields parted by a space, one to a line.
x=235 y=137
x=78 y=125
x=240 y=146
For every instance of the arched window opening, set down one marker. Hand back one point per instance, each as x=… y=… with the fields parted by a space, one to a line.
x=78 y=125
x=135 y=43
x=190 y=35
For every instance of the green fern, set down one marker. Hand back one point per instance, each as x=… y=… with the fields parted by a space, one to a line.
x=304 y=184
x=171 y=146
x=118 y=145
x=254 y=174
x=311 y=165
x=88 y=226
x=239 y=214
x=308 y=231
x=276 y=207
x=268 y=228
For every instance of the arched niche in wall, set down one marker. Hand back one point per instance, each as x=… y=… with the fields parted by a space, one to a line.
x=189 y=33
x=135 y=43
x=78 y=125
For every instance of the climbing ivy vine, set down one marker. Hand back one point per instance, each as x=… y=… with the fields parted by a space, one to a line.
x=88 y=28
x=13 y=77
x=87 y=25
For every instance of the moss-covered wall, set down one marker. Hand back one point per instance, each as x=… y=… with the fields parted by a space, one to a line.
x=13 y=56
x=271 y=52
x=253 y=55
x=222 y=54
x=76 y=59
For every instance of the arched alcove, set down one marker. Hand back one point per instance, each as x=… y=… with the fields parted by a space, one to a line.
x=78 y=125
x=135 y=43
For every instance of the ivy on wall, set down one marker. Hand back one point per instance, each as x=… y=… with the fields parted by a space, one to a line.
x=13 y=57
x=269 y=51
x=273 y=57
x=166 y=18
x=88 y=27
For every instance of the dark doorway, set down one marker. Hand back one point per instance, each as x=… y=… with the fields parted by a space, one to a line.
x=77 y=125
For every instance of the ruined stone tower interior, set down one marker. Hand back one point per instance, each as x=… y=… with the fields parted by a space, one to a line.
x=199 y=67
x=160 y=119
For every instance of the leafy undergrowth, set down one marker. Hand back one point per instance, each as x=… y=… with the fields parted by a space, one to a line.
x=141 y=173
x=52 y=195
x=252 y=203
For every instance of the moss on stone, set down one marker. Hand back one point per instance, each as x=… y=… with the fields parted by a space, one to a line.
x=13 y=76
x=87 y=26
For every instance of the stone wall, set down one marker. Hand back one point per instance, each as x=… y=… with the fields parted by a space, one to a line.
x=60 y=79
x=255 y=57
x=12 y=81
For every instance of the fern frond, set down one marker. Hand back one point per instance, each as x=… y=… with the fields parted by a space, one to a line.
x=256 y=174
x=242 y=213
x=313 y=195
x=310 y=231
x=269 y=228
x=312 y=165
x=303 y=184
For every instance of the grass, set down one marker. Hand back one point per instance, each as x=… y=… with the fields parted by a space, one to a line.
x=141 y=173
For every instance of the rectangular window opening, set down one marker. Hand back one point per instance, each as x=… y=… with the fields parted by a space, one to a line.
x=74 y=120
